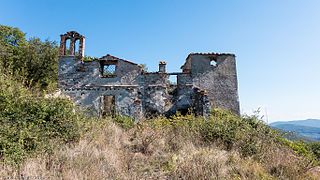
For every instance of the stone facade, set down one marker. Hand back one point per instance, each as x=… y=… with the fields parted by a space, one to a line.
x=112 y=85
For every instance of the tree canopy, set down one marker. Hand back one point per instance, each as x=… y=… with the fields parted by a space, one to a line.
x=10 y=36
x=33 y=59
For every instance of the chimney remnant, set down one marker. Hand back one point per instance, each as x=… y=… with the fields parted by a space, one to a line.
x=162 y=66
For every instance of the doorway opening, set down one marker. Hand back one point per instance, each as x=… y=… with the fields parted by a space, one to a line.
x=108 y=105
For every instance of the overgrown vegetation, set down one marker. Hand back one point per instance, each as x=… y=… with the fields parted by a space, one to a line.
x=51 y=138
x=224 y=146
x=33 y=59
x=89 y=58
x=29 y=122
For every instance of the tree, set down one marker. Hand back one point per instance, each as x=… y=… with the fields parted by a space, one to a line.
x=40 y=62
x=35 y=60
x=11 y=36
x=10 y=41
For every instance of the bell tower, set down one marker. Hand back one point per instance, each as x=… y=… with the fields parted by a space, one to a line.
x=73 y=36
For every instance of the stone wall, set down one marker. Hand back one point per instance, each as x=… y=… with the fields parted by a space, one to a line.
x=127 y=101
x=137 y=93
x=75 y=73
x=220 y=81
x=155 y=96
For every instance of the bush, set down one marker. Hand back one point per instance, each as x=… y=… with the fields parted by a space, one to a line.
x=28 y=123
x=248 y=134
x=125 y=122
x=315 y=147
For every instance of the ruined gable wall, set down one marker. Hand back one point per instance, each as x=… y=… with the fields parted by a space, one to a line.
x=74 y=73
x=220 y=81
x=82 y=81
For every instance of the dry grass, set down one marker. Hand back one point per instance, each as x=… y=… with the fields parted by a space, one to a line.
x=144 y=152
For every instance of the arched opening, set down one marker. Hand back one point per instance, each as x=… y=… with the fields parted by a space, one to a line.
x=67 y=48
x=76 y=47
x=72 y=44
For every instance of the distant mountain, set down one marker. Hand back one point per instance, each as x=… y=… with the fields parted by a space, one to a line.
x=307 y=122
x=293 y=136
x=309 y=128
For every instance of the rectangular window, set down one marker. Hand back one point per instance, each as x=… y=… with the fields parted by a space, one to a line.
x=109 y=70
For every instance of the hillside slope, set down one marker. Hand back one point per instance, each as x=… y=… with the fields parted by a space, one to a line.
x=182 y=147
x=309 y=128
x=293 y=136
x=49 y=137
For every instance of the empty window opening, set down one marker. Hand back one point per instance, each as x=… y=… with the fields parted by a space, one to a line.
x=108 y=105
x=172 y=82
x=76 y=47
x=213 y=63
x=172 y=79
x=109 y=70
x=67 y=48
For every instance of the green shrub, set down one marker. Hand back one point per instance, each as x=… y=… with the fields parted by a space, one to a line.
x=89 y=58
x=310 y=151
x=125 y=122
x=315 y=147
x=248 y=134
x=28 y=123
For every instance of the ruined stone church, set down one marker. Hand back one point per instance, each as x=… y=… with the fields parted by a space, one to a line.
x=111 y=85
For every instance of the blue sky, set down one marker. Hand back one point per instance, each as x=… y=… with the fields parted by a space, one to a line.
x=276 y=42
